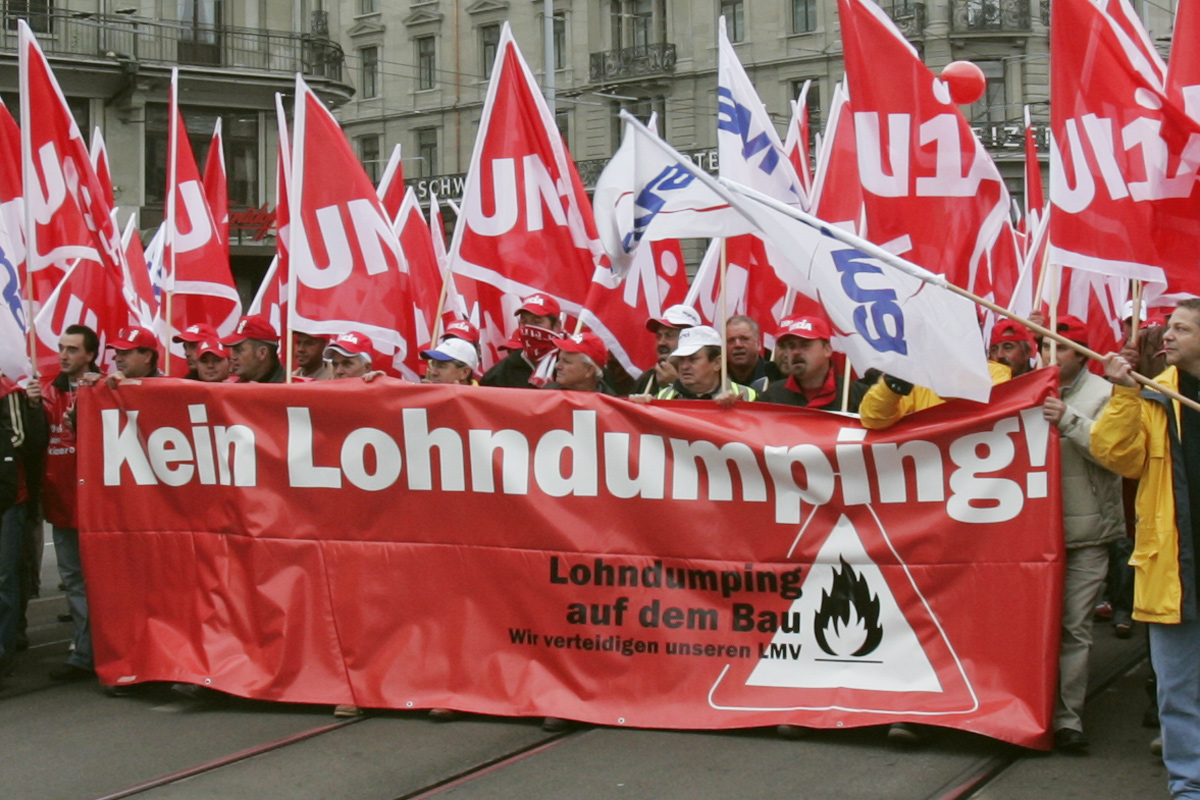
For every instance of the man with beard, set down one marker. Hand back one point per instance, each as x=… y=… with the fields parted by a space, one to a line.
x=666 y=331
x=1012 y=346
x=812 y=381
x=539 y=328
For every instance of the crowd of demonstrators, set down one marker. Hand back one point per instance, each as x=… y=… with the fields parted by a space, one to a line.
x=801 y=373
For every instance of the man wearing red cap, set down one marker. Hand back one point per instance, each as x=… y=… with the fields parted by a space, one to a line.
x=1092 y=517
x=666 y=334
x=135 y=353
x=212 y=361
x=254 y=351
x=812 y=381
x=1012 y=346
x=190 y=338
x=310 y=356
x=539 y=327
x=349 y=355
x=579 y=366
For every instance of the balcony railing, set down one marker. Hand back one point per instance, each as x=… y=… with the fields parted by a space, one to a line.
x=909 y=18
x=127 y=39
x=988 y=16
x=633 y=62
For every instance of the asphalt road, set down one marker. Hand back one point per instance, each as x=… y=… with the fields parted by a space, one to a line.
x=72 y=742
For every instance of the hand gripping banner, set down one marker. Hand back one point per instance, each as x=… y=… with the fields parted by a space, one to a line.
x=527 y=553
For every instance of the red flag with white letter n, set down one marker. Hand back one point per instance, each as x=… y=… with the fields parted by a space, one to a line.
x=347 y=272
x=526 y=224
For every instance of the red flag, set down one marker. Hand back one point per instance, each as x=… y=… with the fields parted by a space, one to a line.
x=526 y=223
x=216 y=186
x=391 y=185
x=424 y=271
x=837 y=194
x=346 y=269
x=1035 y=202
x=1183 y=69
x=795 y=144
x=199 y=278
x=932 y=192
x=1122 y=177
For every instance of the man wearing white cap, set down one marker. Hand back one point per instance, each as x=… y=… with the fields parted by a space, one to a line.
x=699 y=363
x=349 y=355
x=666 y=331
x=454 y=360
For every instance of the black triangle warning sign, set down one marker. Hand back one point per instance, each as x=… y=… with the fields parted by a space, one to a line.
x=864 y=638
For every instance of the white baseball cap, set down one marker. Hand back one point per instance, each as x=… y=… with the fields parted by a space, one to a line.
x=454 y=350
x=696 y=337
x=678 y=316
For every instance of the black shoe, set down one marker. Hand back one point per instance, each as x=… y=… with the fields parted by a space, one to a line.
x=8 y=663
x=124 y=690
x=65 y=618
x=1071 y=742
x=555 y=724
x=1150 y=718
x=66 y=673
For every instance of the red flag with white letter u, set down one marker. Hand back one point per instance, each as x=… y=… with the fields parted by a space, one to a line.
x=526 y=224
x=347 y=271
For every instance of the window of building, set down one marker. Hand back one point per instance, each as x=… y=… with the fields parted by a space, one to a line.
x=993 y=106
x=489 y=41
x=638 y=23
x=562 y=119
x=240 y=133
x=370 y=71
x=36 y=12
x=804 y=16
x=368 y=6
x=200 y=19
x=426 y=61
x=427 y=152
x=368 y=154
x=560 y=41
x=735 y=26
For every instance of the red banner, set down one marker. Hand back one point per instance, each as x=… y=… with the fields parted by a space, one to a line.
x=564 y=554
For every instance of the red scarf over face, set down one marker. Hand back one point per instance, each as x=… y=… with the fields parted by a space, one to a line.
x=537 y=343
x=819 y=397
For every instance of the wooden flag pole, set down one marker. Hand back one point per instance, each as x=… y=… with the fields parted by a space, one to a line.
x=846 y=388
x=441 y=304
x=724 y=319
x=1054 y=291
x=1135 y=321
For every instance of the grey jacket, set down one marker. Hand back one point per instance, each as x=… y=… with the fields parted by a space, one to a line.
x=1091 y=495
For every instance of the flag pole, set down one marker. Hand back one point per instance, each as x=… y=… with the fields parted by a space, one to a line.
x=724 y=317
x=28 y=176
x=441 y=304
x=1135 y=321
x=923 y=274
x=846 y=387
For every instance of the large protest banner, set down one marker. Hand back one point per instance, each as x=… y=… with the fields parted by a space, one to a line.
x=564 y=554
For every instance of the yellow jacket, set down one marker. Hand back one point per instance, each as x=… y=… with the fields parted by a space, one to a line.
x=1135 y=437
x=882 y=408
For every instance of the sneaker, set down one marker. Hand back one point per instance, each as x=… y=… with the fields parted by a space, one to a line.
x=347 y=711
x=1071 y=742
x=1156 y=746
x=907 y=734
x=67 y=673
x=792 y=731
x=555 y=725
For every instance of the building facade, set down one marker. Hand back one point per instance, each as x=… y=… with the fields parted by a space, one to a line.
x=421 y=69
x=113 y=59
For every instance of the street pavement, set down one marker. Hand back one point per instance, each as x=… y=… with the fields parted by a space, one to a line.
x=73 y=742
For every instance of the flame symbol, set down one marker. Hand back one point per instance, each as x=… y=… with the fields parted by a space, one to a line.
x=848 y=620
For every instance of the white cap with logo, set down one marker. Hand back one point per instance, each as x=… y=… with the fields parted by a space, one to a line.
x=694 y=338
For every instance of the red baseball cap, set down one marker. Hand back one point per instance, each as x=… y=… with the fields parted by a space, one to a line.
x=541 y=304
x=804 y=328
x=324 y=337
x=589 y=344
x=350 y=344
x=256 y=326
x=212 y=346
x=1008 y=331
x=1073 y=328
x=195 y=333
x=134 y=338
x=461 y=329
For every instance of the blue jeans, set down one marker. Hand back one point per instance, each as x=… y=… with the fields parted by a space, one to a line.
x=70 y=570
x=1175 y=652
x=12 y=548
